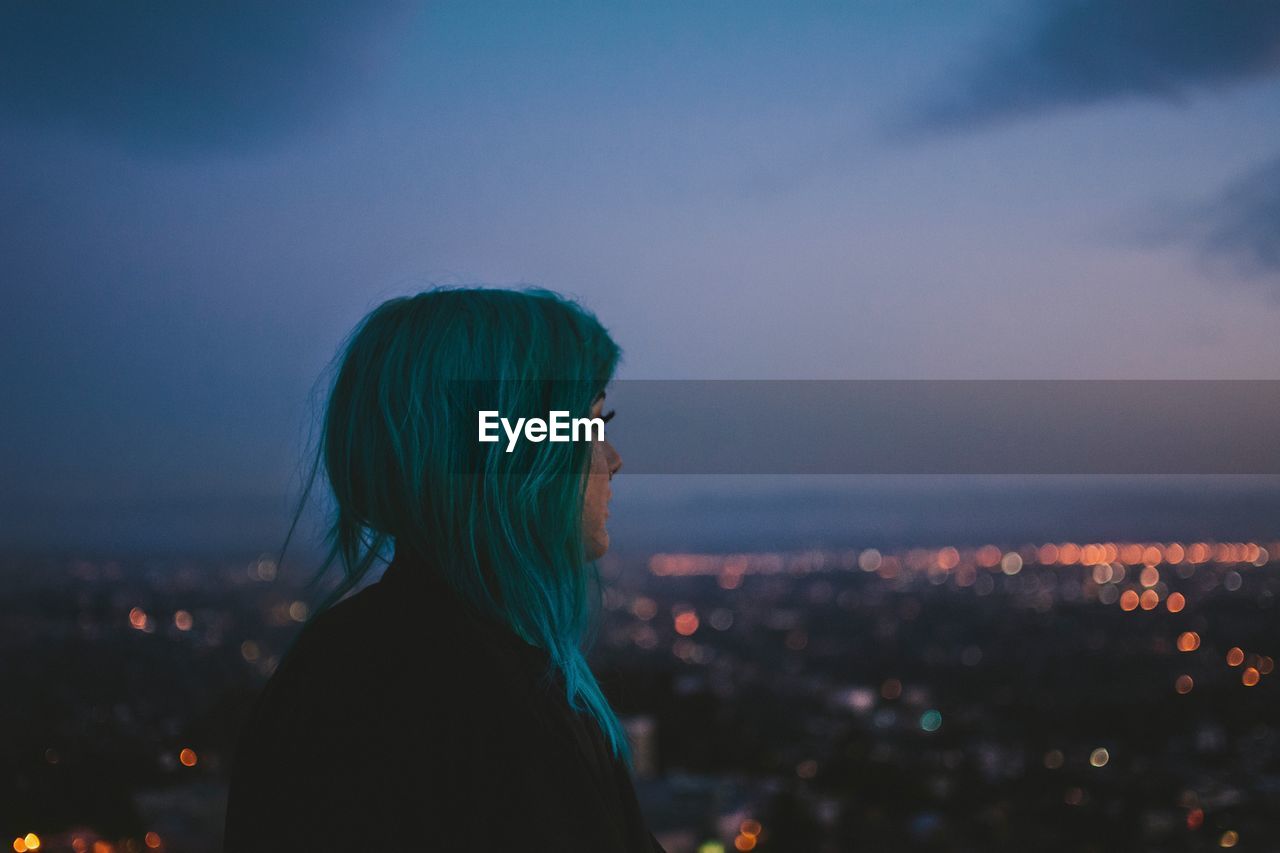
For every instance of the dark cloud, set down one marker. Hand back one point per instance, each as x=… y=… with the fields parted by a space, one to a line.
x=1242 y=224
x=185 y=76
x=1080 y=52
x=1235 y=232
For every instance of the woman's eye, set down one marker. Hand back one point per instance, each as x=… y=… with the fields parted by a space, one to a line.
x=608 y=417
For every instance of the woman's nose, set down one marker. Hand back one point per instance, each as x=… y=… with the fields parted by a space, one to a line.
x=615 y=460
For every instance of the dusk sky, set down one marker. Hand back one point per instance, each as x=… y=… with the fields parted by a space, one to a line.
x=197 y=205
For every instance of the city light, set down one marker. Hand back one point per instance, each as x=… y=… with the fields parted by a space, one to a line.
x=28 y=842
x=861 y=648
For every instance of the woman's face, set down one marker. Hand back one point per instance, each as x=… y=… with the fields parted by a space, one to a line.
x=605 y=462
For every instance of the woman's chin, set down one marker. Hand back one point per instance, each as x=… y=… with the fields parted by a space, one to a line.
x=598 y=546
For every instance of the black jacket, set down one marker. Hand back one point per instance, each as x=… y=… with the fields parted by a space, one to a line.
x=401 y=721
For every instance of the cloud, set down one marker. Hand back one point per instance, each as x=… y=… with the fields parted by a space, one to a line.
x=1081 y=52
x=1242 y=223
x=177 y=76
x=1235 y=231
x=1075 y=53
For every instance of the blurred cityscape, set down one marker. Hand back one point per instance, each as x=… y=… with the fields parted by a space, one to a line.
x=1048 y=696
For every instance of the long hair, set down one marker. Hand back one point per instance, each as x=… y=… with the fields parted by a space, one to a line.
x=400 y=451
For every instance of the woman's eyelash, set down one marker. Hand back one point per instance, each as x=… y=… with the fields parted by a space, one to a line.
x=609 y=416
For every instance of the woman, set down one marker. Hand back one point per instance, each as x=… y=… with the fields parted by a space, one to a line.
x=449 y=706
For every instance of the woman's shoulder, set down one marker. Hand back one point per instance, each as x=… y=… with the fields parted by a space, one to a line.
x=397 y=697
x=373 y=675
x=371 y=643
x=397 y=648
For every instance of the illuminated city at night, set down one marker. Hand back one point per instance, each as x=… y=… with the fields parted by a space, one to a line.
x=938 y=698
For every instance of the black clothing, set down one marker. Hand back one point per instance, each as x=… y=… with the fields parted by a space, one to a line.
x=401 y=720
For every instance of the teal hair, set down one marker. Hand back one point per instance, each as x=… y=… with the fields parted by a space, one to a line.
x=400 y=451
